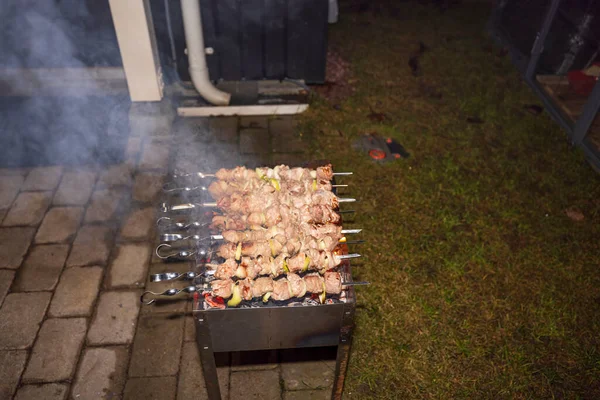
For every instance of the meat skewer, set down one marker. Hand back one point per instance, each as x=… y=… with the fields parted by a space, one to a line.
x=273 y=216
x=174 y=237
x=165 y=207
x=223 y=173
x=312 y=260
x=281 y=289
x=222 y=288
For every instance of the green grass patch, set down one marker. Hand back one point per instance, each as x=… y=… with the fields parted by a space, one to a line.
x=482 y=287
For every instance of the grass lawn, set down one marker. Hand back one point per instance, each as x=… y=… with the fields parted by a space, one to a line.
x=482 y=285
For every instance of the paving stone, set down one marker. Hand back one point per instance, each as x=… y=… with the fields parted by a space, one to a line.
x=14 y=243
x=303 y=370
x=253 y=360
x=255 y=160
x=105 y=205
x=115 y=319
x=133 y=150
x=283 y=124
x=56 y=350
x=254 y=141
x=160 y=388
x=9 y=188
x=189 y=334
x=28 y=209
x=6 y=278
x=147 y=186
x=157 y=343
x=41 y=268
x=191 y=380
x=139 y=224
x=254 y=122
x=285 y=139
x=76 y=292
x=49 y=391
x=14 y=171
x=11 y=367
x=291 y=159
x=324 y=394
x=115 y=175
x=224 y=128
x=155 y=156
x=59 y=225
x=262 y=385
x=22 y=313
x=192 y=131
x=75 y=188
x=42 y=178
x=91 y=247
x=150 y=119
x=129 y=266
x=102 y=373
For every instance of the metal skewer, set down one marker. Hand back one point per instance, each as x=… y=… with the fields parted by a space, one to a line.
x=168 y=292
x=164 y=207
x=173 y=237
x=203 y=175
x=173 y=276
x=181 y=254
x=195 y=174
x=171 y=187
x=164 y=222
x=192 y=289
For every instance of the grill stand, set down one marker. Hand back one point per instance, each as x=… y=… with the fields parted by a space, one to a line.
x=275 y=328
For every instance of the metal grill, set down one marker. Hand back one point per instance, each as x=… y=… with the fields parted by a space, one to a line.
x=254 y=324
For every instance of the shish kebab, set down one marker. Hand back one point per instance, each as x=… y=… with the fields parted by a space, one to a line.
x=251 y=267
x=265 y=181
x=243 y=173
x=281 y=289
x=268 y=288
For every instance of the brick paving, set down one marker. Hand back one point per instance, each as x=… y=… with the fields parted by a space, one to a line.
x=76 y=249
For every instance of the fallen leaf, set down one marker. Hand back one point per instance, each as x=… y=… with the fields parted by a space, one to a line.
x=413 y=63
x=533 y=109
x=475 y=120
x=574 y=214
x=377 y=117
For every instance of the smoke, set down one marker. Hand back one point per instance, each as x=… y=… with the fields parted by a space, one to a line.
x=54 y=109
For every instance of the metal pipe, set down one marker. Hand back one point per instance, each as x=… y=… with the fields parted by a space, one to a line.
x=194 y=39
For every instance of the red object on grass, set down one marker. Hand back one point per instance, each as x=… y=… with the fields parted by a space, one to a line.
x=581 y=83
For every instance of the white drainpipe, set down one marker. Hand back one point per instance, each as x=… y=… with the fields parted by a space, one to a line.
x=194 y=38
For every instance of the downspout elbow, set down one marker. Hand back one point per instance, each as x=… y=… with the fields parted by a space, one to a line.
x=194 y=38
x=206 y=89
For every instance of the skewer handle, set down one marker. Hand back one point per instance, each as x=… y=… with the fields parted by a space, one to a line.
x=172 y=187
x=173 y=276
x=163 y=252
x=164 y=207
x=342 y=173
x=174 y=237
x=194 y=174
x=348 y=231
x=165 y=223
x=346 y=200
x=167 y=293
x=360 y=283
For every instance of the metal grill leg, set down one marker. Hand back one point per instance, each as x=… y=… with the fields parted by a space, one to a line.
x=343 y=352
x=207 y=358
